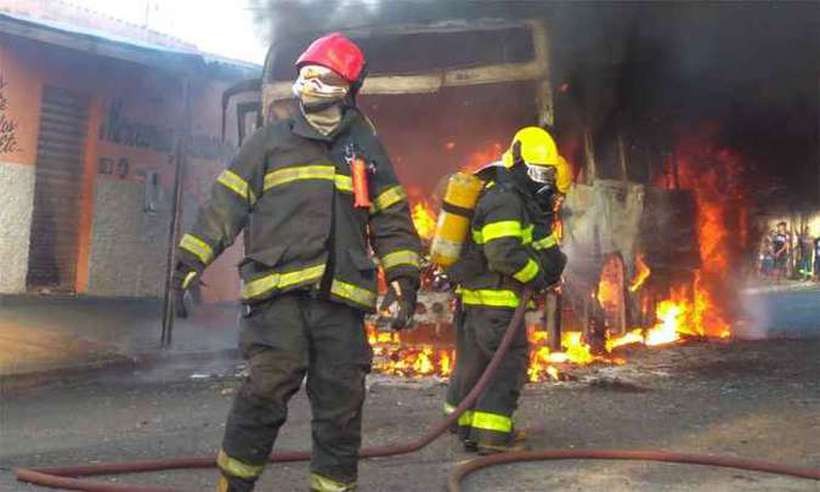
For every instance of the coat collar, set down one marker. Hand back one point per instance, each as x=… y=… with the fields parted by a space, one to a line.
x=301 y=127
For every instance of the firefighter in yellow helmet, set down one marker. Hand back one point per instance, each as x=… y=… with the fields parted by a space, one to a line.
x=510 y=246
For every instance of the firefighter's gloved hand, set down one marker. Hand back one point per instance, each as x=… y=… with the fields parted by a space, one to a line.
x=539 y=283
x=399 y=304
x=183 y=278
x=553 y=261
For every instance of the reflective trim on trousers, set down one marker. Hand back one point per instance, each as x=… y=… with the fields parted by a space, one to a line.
x=320 y=483
x=464 y=420
x=237 y=468
x=491 y=422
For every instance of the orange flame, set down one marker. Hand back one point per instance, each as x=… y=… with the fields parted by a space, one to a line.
x=481 y=158
x=424 y=219
x=642 y=273
x=713 y=173
x=609 y=285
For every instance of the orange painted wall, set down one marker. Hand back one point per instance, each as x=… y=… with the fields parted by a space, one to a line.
x=148 y=97
x=22 y=90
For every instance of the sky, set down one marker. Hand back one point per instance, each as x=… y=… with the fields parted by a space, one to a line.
x=223 y=27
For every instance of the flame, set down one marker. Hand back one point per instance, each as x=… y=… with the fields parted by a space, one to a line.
x=714 y=175
x=670 y=315
x=609 y=285
x=424 y=219
x=634 y=336
x=542 y=360
x=481 y=158
x=642 y=272
x=393 y=356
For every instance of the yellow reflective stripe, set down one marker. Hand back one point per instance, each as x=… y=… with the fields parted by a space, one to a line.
x=507 y=228
x=502 y=229
x=343 y=183
x=527 y=273
x=321 y=483
x=279 y=280
x=489 y=297
x=401 y=257
x=546 y=243
x=464 y=420
x=526 y=235
x=497 y=230
x=323 y=172
x=233 y=182
x=388 y=198
x=236 y=468
x=290 y=174
x=353 y=293
x=491 y=422
x=197 y=247
x=187 y=280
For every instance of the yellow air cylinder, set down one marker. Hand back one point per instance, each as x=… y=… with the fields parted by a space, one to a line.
x=453 y=223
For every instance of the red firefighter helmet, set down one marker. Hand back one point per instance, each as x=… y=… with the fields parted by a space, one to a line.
x=338 y=53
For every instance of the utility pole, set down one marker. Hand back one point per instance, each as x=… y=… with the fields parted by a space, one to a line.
x=180 y=158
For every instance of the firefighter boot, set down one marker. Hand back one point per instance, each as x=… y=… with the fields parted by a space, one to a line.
x=517 y=441
x=321 y=483
x=233 y=484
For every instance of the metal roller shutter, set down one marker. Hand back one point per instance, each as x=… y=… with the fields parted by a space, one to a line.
x=57 y=191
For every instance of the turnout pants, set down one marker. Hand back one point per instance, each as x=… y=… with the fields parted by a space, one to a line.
x=283 y=340
x=479 y=333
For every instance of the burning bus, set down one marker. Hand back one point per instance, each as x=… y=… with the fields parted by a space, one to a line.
x=634 y=252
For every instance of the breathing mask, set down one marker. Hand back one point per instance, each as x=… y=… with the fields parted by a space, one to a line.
x=321 y=93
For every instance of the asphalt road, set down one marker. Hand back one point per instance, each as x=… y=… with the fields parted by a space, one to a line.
x=751 y=399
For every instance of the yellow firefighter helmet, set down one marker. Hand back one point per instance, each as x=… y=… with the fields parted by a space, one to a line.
x=563 y=178
x=532 y=145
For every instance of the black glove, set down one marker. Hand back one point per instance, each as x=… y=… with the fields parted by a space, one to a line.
x=183 y=278
x=399 y=304
x=553 y=261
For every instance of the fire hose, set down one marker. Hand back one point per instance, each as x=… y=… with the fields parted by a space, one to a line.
x=67 y=477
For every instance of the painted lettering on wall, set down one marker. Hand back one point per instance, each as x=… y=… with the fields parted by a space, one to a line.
x=120 y=129
x=117 y=128
x=8 y=127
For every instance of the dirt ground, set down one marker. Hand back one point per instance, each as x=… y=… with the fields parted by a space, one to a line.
x=750 y=399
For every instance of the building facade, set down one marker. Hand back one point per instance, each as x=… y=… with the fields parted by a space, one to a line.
x=89 y=128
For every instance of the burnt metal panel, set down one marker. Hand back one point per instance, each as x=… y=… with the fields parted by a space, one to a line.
x=668 y=230
x=58 y=190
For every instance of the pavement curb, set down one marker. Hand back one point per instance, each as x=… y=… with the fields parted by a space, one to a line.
x=767 y=289
x=18 y=381
x=21 y=381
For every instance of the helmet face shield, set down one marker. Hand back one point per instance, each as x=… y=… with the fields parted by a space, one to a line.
x=316 y=81
x=544 y=175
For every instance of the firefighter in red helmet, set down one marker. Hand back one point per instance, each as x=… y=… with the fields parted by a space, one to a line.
x=308 y=275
